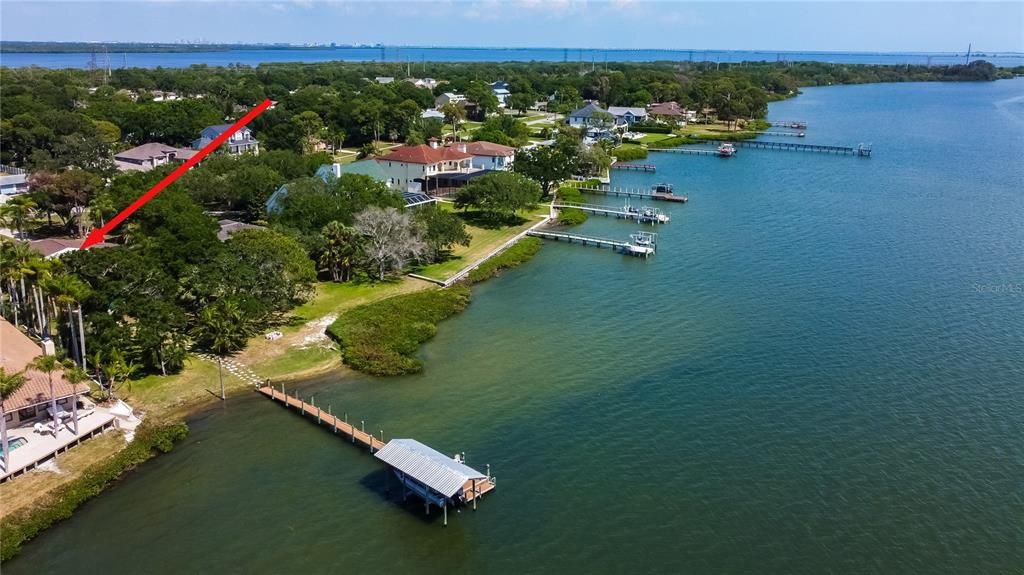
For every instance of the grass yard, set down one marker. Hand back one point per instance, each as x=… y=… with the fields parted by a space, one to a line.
x=484 y=241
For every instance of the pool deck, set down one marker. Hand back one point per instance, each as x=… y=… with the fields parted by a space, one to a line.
x=42 y=447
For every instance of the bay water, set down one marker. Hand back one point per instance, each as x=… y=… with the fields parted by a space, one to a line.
x=821 y=370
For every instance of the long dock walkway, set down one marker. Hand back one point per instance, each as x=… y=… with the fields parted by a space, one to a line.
x=634 y=193
x=357 y=436
x=642 y=215
x=634 y=167
x=325 y=418
x=585 y=240
x=796 y=147
x=690 y=151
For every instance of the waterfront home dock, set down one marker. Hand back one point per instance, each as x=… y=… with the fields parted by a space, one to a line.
x=634 y=193
x=634 y=167
x=643 y=214
x=791 y=124
x=420 y=469
x=690 y=151
x=860 y=150
x=641 y=244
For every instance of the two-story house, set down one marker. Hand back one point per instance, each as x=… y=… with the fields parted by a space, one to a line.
x=239 y=143
x=589 y=116
x=148 y=156
x=448 y=97
x=627 y=116
x=490 y=156
x=419 y=168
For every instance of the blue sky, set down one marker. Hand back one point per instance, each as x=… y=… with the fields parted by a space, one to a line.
x=820 y=25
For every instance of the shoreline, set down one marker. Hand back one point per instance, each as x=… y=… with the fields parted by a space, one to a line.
x=178 y=414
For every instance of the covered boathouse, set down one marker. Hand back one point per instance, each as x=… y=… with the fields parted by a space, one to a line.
x=433 y=476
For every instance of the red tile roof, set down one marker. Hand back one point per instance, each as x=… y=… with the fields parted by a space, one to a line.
x=666 y=109
x=488 y=149
x=16 y=353
x=424 y=154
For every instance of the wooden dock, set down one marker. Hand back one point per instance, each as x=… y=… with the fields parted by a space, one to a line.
x=791 y=124
x=861 y=150
x=622 y=247
x=643 y=215
x=690 y=151
x=635 y=193
x=357 y=436
x=333 y=423
x=634 y=167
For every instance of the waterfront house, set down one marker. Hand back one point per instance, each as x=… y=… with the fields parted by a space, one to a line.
x=239 y=143
x=424 y=167
x=148 y=156
x=34 y=432
x=588 y=116
x=627 y=116
x=490 y=156
x=671 y=112
x=371 y=168
x=448 y=97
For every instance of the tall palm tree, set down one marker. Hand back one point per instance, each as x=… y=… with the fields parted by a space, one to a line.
x=49 y=364
x=341 y=245
x=16 y=211
x=9 y=383
x=222 y=329
x=20 y=262
x=69 y=291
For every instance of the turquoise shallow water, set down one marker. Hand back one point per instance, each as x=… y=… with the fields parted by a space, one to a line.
x=820 y=371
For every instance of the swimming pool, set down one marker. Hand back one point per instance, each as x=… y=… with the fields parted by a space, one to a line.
x=15 y=443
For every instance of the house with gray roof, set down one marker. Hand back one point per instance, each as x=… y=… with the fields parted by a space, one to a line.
x=627 y=116
x=240 y=142
x=148 y=156
x=589 y=116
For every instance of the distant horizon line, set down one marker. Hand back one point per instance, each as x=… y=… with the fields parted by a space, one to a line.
x=462 y=47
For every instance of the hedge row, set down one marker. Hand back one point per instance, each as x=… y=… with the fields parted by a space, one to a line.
x=150 y=438
x=629 y=152
x=520 y=252
x=382 y=338
x=651 y=129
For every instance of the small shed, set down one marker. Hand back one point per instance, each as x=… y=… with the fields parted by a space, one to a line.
x=432 y=475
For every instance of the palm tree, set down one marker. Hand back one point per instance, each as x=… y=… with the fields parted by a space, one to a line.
x=454 y=114
x=341 y=244
x=69 y=291
x=222 y=329
x=16 y=211
x=9 y=383
x=19 y=262
x=49 y=364
x=117 y=369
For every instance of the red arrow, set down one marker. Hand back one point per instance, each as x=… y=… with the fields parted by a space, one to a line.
x=97 y=235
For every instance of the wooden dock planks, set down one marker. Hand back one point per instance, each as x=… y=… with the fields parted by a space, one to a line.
x=323 y=418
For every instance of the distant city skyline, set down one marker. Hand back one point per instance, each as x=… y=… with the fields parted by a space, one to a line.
x=825 y=25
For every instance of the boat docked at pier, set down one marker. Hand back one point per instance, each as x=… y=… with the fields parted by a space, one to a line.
x=726 y=150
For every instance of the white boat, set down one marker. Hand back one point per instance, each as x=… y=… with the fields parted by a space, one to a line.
x=726 y=150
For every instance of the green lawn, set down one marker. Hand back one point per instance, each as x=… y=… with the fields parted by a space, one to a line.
x=655 y=138
x=484 y=241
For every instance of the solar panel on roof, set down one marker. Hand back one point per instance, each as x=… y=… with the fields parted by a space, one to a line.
x=414 y=198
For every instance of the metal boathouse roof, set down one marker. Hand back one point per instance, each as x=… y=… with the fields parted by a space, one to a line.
x=427 y=465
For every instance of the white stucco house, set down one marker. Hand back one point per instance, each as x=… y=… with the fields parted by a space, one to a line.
x=419 y=168
x=490 y=156
x=448 y=97
x=587 y=116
